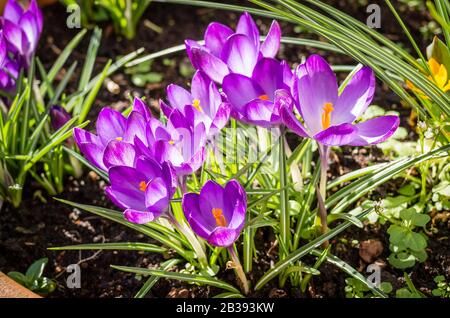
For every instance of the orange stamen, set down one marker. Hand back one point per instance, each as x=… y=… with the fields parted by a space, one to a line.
x=196 y=104
x=264 y=97
x=326 y=115
x=119 y=138
x=171 y=142
x=220 y=218
x=142 y=186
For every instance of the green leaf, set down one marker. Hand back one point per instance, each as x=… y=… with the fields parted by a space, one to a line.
x=190 y=278
x=19 y=278
x=407 y=190
x=415 y=241
x=152 y=280
x=36 y=269
x=305 y=249
x=123 y=246
x=402 y=260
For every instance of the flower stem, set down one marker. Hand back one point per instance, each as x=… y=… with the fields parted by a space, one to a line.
x=196 y=246
x=238 y=269
x=324 y=152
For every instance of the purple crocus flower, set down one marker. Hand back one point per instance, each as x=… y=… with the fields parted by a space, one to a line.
x=112 y=127
x=144 y=192
x=329 y=117
x=257 y=99
x=206 y=102
x=217 y=214
x=178 y=142
x=227 y=51
x=9 y=70
x=22 y=29
x=58 y=116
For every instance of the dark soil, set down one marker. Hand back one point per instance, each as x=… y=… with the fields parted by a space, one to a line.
x=27 y=232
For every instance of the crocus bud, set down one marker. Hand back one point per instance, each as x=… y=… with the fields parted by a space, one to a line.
x=59 y=116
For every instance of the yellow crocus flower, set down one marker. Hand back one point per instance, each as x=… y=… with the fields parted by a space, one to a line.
x=439 y=77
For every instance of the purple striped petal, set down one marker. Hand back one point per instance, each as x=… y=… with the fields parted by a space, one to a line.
x=248 y=27
x=268 y=73
x=110 y=125
x=139 y=217
x=157 y=196
x=292 y=122
x=271 y=44
x=140 y=107
x=314 y=86
x=337 y=135
x=240 y=54
x=223 y=237
x=135 y=127
x=90 y=146
x=191 y=210
x=119 y=153
x=178 y=97
x=355 y=98
x=376 y=130
x=126 y=188
x=214 y=67
x=215 y=37
x=236 y=201
x=12 y=11
x=240 y=90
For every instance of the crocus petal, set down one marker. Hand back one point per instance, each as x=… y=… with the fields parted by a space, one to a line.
x=135 y=127
x=215 y=36
x=268 y=73
x=34 y=8
x=223 y=237
x=271 y=44
x=375 y=130
x=221 y=118
x=157 y=196
x=28 y=25
x=240 y=54
x=211 y=197
x=119 y=153
x=126 y=187
x=178 y=97
x=235 y=204
x=248 y=27
x=194 y=216
x=214 y=67
x=170 y=178
x=355 y=98
x=190 y=44
x=205 y=90
x=337 y=135
x=139 y=217
x=314 y=86
x=240 y=90
x=292 y=122
x=12 y=12
x=140 y=107
x=90 y=145
x=15 y=37
x=259 y=112
x=149 y=167
x=110 y=125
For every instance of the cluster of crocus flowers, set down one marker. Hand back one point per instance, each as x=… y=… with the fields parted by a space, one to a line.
x=227 y=51
x=147 y=159
x=20 y=32
x=439 y=76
